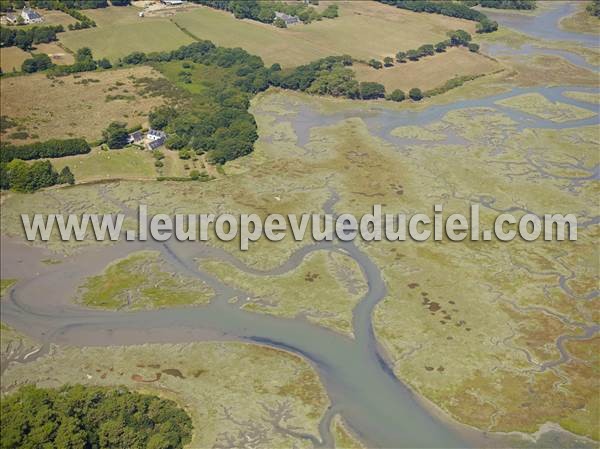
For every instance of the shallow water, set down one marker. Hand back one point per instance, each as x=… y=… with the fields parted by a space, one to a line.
x=545 y=25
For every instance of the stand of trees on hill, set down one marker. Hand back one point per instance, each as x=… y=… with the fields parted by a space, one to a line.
x=20 y=176
x=91 y=417
x=447 y=8
x=264 y=11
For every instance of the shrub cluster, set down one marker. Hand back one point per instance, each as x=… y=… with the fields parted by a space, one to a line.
x=49 y=148
x=594 y=8
x=36 y=63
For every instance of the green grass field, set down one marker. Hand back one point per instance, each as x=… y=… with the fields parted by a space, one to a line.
x=121 y=31
x=130 y=163
x=388 y=29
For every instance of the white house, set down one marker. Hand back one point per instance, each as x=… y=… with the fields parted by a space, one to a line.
x=172 y=2
x=30 y=16
x=155 y=134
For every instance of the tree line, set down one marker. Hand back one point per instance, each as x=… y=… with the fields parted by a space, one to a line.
x=594 y=8
x=48 y=149
x=447 y=8
x=25 y=39
x=264 y=11
x=91 y=417
x=14 y=5
x=507 y=4
x=455 y=39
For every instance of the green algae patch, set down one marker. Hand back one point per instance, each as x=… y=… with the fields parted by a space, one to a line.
x=5 y=285
x=140 y=281
x=538 y=105
x=234 y=392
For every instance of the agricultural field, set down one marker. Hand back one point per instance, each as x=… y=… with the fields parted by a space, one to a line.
x=11 y=59
x=121 y=31
x=79 y=105
x=429 y=72
x=389 y=30
x=57 y=54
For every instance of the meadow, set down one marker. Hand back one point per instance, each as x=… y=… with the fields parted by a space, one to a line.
x=76 y=105
x=11 y=59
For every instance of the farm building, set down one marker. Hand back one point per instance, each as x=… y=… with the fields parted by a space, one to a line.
x=171 y=2
x=289 y=20
x=155 y=138
x=30 y=16
x=12 y=19
x=155 y=134
x=154 y=144
x=135 y=137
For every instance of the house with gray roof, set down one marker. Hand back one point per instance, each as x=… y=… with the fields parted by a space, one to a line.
x=289 y=20
x=31 y=16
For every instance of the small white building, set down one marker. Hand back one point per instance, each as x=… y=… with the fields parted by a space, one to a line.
x=172 y=2
x=30 y=16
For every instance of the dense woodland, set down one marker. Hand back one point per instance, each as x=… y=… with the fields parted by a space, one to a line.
x=20 y=176
x=92 y=418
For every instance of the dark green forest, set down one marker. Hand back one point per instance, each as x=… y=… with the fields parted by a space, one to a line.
x=92 y=418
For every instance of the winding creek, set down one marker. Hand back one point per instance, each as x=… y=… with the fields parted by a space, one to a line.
x=361 y=385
